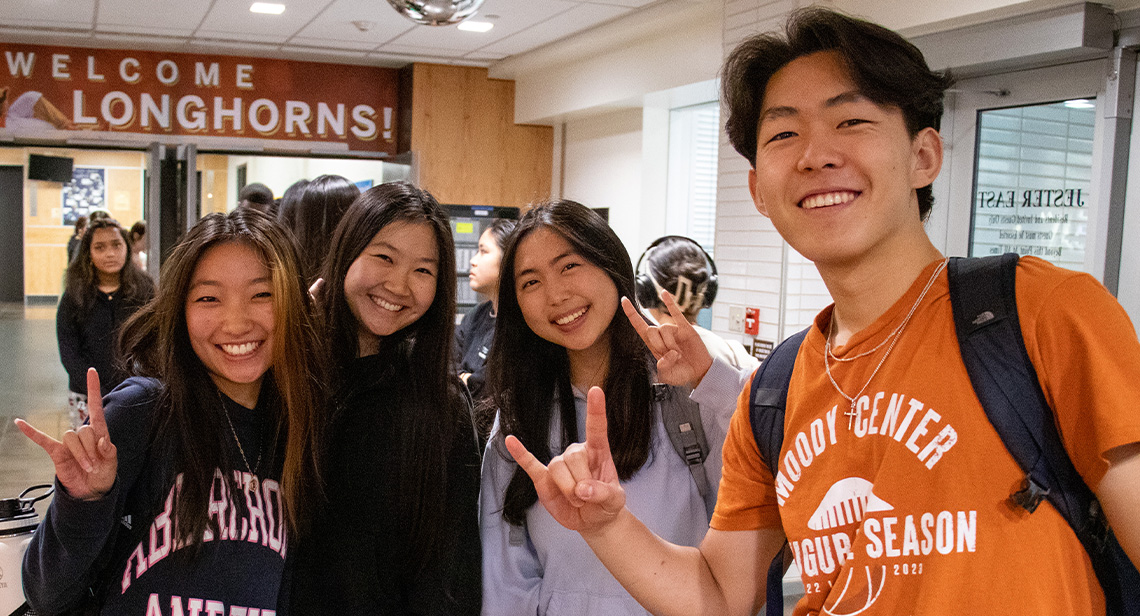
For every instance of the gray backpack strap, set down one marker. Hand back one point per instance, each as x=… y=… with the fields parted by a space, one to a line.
x=682 y=418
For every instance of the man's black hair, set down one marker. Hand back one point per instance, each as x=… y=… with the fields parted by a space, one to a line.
x=886 y=68
x=256 y=193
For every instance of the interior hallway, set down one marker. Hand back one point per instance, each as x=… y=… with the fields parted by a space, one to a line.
x=33 y=385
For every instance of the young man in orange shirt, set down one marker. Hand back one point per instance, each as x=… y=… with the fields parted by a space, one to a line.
x=892 y=486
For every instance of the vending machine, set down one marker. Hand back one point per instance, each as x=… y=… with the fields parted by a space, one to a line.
x=467 y=223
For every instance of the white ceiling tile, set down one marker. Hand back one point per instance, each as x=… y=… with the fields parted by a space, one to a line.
x=580 y=18
x=167 y=16
x=232 y=18
x=49 y=13
x=418 y=50
x=629 y=3
x=229 y=36
x=165 y=30
x=513 y=17
x=318 y=28
x=319 y=43
x=335 y=26
x=314 y=54
x=223 y=47
x=482 y=55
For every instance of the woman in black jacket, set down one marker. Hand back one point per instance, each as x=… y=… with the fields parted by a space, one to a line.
x=104 y=288
x=399 y=535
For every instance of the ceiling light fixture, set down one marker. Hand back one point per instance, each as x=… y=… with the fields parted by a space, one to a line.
x=1080 y=103
x=475 y=26
x=436 y=12
x=268 y=8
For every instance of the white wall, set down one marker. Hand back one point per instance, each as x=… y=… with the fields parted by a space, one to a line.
x=602 y=167
x=280 y=172
x=667 y=45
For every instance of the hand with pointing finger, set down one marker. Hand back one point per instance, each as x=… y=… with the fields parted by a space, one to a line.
x=85 y=460
x=579 y=488
x=682 y=358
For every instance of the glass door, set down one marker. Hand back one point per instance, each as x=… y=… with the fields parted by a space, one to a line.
x=1027 y=166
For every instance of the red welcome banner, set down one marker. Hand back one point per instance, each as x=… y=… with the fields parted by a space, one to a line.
x=71 y=88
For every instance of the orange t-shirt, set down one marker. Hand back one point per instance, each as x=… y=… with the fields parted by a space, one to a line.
x=906 y=511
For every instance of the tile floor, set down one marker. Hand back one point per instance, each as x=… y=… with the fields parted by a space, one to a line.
x=33 y=385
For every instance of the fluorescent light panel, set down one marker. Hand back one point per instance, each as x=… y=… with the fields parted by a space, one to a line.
x=268 y=8
x=1080 y=103
x=475 y=26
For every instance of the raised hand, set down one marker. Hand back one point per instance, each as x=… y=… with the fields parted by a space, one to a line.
x=579 y=488
x=682 y=358
x=85 y=460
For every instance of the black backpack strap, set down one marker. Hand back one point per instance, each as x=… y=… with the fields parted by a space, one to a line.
x=769 y=396
x=984 y=300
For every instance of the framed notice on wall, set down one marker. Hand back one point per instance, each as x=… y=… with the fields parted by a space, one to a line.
x=86 y=191
x=1033 y=170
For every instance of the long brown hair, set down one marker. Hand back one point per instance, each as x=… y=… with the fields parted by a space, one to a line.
x=156 y=344
x=83 y=280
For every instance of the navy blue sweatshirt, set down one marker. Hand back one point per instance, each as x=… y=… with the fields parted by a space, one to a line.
x=122 y=545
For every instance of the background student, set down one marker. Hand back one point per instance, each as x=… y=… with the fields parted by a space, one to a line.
x=322 y=203
x=104 y=288
x=138 y=245
x=76 y=238
x=398 y=534
x=475 y=334
x=560 y=332
x=208 y=453
x=681 y=266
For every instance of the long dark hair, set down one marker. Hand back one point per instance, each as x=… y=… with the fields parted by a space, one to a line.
x=428 y=402
x=530 y=377
x=135 y=287
x=290 y=202
x=156 y=343
x=322 y=204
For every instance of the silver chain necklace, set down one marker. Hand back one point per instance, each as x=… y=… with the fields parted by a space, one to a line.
x=893 y=337
x=252 y=483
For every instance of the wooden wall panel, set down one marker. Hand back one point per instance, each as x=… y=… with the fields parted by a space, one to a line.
x=469 y=150
x=214 y=168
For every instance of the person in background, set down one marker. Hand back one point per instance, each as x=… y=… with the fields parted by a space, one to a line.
x=138 y=244
x=289 y=202
x=560 y=332
x=187 y=494
x=681 y=266
x=76 y=238
x=104 y=288
x=94 y=215
x=323 y=202
x=474 y=335
x=257 y=196
x=398 y=534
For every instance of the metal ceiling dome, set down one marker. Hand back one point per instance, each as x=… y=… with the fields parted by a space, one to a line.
x=436 y=12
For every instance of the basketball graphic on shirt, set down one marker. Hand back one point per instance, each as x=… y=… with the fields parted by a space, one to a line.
x=847 y=502
x=857 y=591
